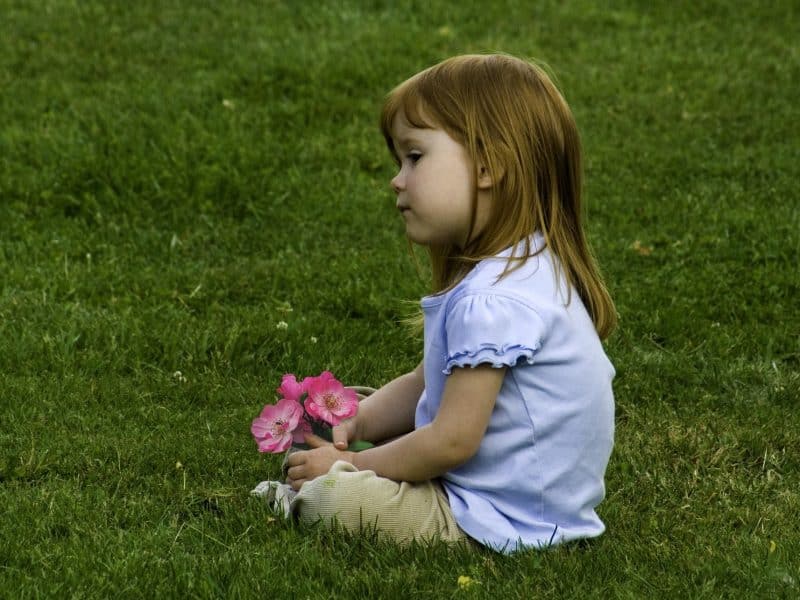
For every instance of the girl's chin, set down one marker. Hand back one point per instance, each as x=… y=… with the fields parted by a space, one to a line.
x=415 y=235
x=420 y=240
x=422 y=236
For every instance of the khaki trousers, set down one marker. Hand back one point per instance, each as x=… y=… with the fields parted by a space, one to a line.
x=362 y=501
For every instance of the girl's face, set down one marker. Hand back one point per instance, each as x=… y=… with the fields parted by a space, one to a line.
x=435 y=186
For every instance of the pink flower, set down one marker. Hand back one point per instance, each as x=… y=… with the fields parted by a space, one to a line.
x=299 y=436
x=290 y=389
x=278 y=426
x=329 y=400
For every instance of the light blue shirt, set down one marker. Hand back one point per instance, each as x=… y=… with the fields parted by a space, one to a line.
x=538 y=474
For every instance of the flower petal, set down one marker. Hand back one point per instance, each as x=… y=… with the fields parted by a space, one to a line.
x=348 y=407
x=299 y=434
x=275 y=445
x=260 y=428
x=314 y=409
x=289 y=411
x=289 y=387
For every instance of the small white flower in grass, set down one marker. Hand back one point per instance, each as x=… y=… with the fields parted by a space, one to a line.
x=465 y=582
x=313 y=340
x=282 y=326
x=642 y=250
x=445 y=31
x=228 y=104
x=178 y=376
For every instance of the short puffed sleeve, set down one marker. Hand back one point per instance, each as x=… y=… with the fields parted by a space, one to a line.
x=491 y=329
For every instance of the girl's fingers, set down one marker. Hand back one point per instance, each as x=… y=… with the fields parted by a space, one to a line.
x=296 y=478
x=340 y=437
x=296 y=483
x=315 y=441
x=295 y=458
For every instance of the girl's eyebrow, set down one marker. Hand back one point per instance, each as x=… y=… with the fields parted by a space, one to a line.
x=406 y=141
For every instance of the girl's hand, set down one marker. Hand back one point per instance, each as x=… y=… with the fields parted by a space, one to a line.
x=310 y=464
x=345 y=433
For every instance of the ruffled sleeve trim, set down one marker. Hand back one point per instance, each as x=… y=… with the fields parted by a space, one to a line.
x=496 y=356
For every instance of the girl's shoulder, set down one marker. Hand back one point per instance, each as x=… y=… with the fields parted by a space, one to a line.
x=520 y=272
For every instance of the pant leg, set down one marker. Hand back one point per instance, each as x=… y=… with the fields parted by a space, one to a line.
x=359 y=500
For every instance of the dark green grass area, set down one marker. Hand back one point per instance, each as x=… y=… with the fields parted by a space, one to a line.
x=194 y=200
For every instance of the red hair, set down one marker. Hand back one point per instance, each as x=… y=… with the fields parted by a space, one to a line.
x=512 y=119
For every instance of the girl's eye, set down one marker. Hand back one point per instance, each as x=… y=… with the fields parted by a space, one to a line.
x=414 y=157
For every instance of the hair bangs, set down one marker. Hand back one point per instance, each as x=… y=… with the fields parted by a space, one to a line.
x=406 y=99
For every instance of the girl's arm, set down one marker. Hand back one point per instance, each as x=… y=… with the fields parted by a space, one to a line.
x=389 y=411
x=450 y=440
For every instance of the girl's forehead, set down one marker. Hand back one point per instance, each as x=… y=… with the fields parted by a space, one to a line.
x=405 y=135
x=405 y=127
x=400 y=123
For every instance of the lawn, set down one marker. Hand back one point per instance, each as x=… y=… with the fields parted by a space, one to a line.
x=194 y=200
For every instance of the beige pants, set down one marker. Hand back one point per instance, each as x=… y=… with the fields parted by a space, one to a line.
x=362 y=501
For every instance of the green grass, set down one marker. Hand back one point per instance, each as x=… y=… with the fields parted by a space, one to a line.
x=177 y=180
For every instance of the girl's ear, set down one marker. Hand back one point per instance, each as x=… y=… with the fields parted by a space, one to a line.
x=485 y=178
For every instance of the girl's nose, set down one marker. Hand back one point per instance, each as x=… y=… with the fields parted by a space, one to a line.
x=396 y=183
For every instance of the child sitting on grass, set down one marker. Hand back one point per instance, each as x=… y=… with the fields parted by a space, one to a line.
x=503 y=432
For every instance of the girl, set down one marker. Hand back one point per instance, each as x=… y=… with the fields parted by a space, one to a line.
x=502 y=434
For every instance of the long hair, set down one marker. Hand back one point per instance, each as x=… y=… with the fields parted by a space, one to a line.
x=512 y=120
